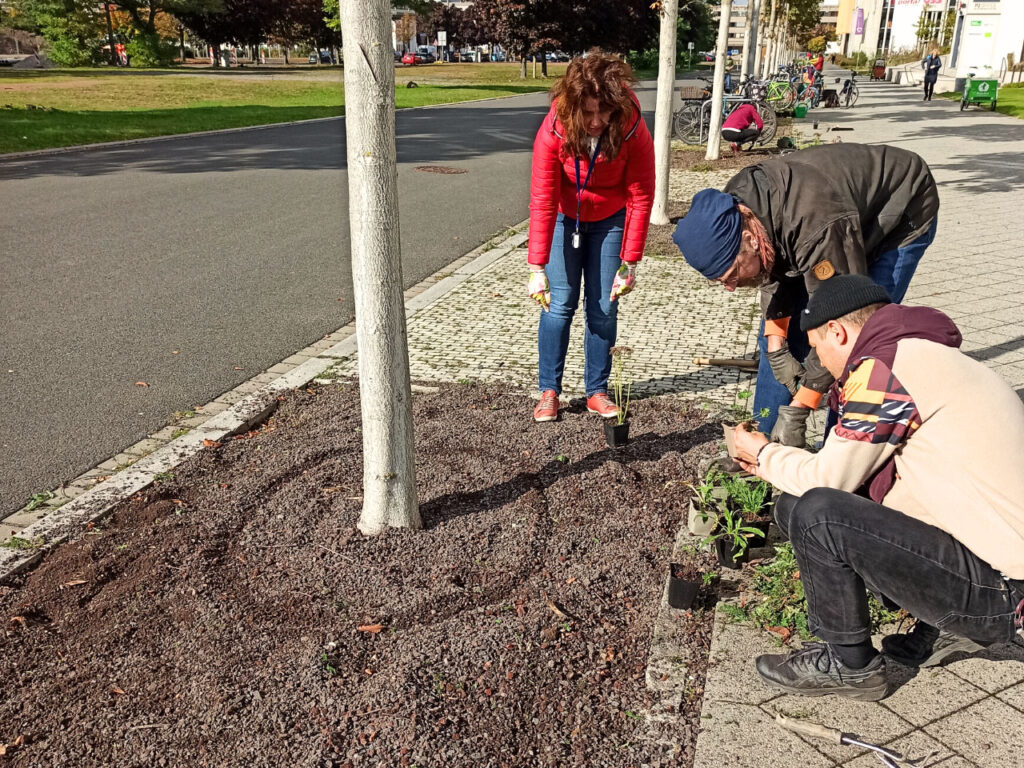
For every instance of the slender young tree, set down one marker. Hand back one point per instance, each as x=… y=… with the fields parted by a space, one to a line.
x=389 y=467
x=718 y=91
x=766 y=64
x=663 y=112
x=748 y=25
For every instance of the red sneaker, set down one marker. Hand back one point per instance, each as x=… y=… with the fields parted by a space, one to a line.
x=602 y=405
x=734 y=147
x=547 y=408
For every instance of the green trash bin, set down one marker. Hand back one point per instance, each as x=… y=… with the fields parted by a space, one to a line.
x=980 y=91
x=800 y=110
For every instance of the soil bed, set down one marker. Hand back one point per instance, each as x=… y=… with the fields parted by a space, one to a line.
x=233 y=616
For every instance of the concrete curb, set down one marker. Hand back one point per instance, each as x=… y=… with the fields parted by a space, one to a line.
x=250 y=404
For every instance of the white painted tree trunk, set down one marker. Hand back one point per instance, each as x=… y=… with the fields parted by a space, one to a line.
x=389 y=468
x=754 y=37
x=748 y=40
x=718 y=91
x=769 y=69
x=663 y=112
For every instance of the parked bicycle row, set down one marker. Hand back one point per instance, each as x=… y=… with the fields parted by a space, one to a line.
x=750 y=109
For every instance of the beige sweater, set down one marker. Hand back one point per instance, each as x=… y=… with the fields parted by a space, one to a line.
x=956 y=429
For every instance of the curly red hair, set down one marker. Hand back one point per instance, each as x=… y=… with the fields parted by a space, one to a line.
x=595 y=75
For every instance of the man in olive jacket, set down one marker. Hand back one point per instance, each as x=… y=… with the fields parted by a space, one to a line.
x=787 y=224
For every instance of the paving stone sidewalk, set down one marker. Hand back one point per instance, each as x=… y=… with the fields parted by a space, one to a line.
x=969 y=712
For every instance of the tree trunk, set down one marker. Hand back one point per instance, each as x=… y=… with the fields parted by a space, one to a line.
x=663 y=111
x=110 y=36
x=522 y=68
x=389 y=467
x=544 y=66
x=181 y=43
x=753 y=33
x=534 y=66
x=747 y=41
x=767 y=69
x=718 y=92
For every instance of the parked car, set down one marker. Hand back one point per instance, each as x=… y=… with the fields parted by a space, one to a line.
x=324 y=57
x=414 y=57
x=498 y=56
x=467 y=55
x=558 y=56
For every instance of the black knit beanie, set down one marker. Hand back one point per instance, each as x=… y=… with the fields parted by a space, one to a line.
x=840 y=295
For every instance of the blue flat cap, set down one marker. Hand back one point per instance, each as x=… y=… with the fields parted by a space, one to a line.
x=709 y=235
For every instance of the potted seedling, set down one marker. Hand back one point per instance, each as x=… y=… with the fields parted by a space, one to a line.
x=731 y=538
x=682 y=586
x=707 y=495
x=616 y=431
x=751 y=497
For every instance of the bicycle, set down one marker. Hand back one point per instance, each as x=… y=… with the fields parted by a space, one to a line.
x=692 y=122
x=849 y=93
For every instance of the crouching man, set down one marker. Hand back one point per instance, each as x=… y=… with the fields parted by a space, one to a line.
x=917 y=495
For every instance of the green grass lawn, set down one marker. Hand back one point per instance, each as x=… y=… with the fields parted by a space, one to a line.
x=1010 y=100
x=88 y=106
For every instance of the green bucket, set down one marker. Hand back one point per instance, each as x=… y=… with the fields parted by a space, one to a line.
x=800 y=110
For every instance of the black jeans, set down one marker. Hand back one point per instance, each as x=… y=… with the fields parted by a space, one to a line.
x=740 y=137
x=929 y=86
x=846 y=544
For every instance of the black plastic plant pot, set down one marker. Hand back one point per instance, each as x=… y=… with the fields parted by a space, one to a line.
x=727 y=556
x=681 y=592
x=616 y=435
x=762 y=524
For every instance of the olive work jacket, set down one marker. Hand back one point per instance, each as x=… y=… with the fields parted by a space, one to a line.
x=834 y=209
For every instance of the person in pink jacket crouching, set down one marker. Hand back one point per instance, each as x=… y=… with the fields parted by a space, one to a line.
x=742 y=125
x=591 y=193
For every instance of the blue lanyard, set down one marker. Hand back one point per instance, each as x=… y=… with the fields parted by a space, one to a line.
x=579 y=188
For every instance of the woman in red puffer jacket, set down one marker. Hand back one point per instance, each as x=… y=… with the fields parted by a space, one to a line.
x=590 y=204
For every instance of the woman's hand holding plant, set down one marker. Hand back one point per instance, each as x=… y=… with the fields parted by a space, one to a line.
x=539 y=288
x=625 y=279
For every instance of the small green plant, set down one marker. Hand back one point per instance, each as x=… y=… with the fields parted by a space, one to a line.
x=17 y=542
x=621 y=381
x=749 y=497
x=733 y=528
x=37 y=500
x=163 y=477
x=179 y=432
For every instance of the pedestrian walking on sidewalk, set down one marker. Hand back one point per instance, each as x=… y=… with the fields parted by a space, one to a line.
x=791 y=223
x=916 y=496
x=931 y=66
x=591 y=193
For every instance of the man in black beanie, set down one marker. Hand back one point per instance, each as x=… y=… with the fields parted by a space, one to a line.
x=917 y=495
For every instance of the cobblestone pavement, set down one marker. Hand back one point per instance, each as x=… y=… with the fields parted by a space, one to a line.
x=486 y=328
x=969 y=712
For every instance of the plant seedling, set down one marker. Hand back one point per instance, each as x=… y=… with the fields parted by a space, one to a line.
x=621 y=381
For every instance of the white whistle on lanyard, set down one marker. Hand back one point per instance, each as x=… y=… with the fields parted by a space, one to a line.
x=576 y=241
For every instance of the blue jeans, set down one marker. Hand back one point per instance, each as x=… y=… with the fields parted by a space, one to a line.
x=892 y=270
x=595 y=263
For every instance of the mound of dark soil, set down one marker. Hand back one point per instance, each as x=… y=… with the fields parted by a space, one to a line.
x=233 y=616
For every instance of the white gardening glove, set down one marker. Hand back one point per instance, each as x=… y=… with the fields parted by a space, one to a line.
x=539 y=288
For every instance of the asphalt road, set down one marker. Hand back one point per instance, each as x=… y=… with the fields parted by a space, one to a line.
x=231 y=249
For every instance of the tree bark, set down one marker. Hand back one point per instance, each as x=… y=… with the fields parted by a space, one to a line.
x=663 y=111
x=753 y=33
x=747 y=42
x=767 y=69
x=110 y=36
x=389 y=467
x=718 y=91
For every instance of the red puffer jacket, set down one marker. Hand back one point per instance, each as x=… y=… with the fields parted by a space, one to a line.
x=627 y=181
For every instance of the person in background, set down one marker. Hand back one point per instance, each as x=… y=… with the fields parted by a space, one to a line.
x=819 y=66
x=591 y=194
x=789 y=224
x=931 y=66
x=741 y=126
